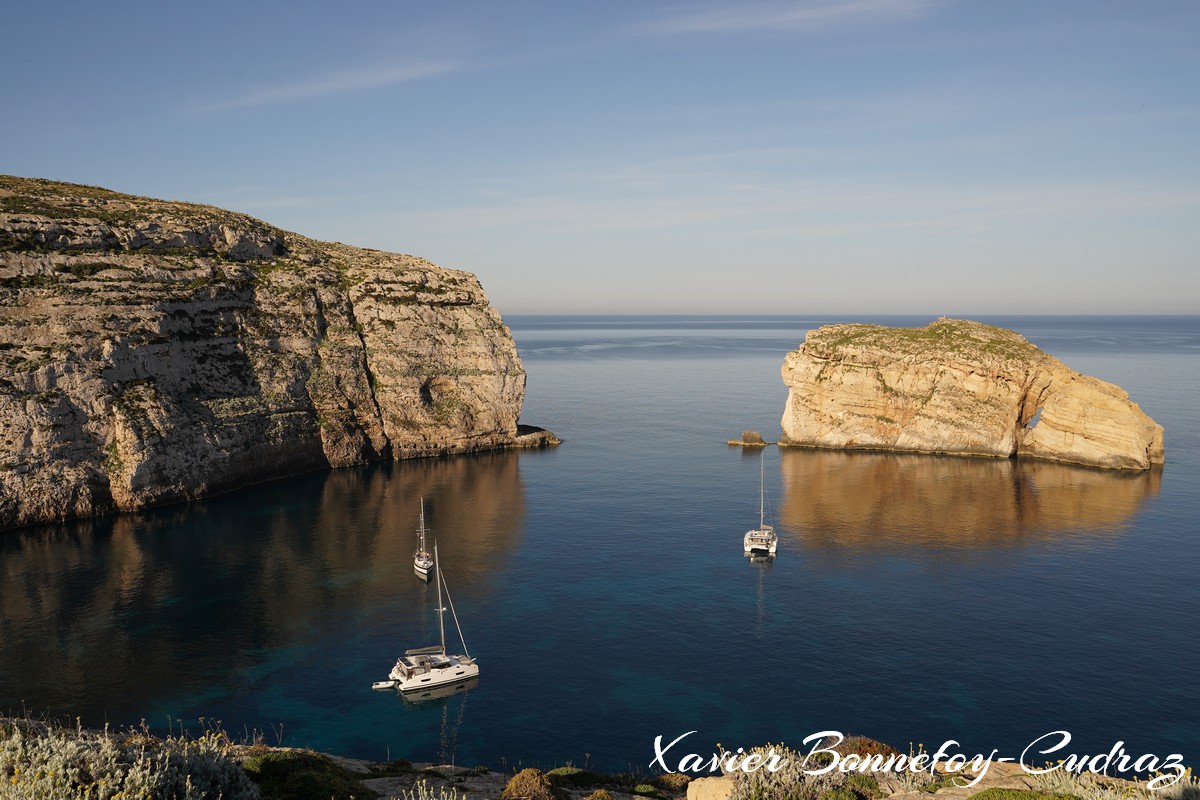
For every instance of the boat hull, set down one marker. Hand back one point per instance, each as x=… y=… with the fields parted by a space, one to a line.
x=419 y=696
x=760 y=543
x=416 y=681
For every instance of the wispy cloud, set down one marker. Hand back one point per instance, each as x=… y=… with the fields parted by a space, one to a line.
x=331 y=83
x=780 y=16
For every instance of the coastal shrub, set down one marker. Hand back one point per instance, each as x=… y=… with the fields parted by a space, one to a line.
x=303 y=775
x=646 y=790
x=863 y=786
x=922 y=780
x=529 y=784
x=599 y=794
x=674 y=782
x=44 y=761
x=838 y=793
x=789 y=782
x=1019 y=794
x=574 y=778
x=1188 y=788
x=862 y=746
x=1062 y=783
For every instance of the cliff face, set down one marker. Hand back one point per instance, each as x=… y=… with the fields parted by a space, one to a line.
x=155 y=351
x=958 y=387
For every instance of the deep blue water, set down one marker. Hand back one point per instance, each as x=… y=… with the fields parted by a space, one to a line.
x=602 y=586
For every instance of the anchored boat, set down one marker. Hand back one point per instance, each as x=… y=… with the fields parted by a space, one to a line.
x=426 y=667
x=422 y=560
x=761 y=541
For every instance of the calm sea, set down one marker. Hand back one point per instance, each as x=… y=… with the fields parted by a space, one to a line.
x=603 y=589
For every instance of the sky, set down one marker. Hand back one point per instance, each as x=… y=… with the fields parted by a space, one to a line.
x=626 y=156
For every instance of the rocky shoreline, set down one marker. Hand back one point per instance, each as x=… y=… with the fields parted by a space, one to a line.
x=42 y=759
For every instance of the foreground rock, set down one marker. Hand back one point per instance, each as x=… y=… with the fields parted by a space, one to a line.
x=957 y=386
x=154 y=351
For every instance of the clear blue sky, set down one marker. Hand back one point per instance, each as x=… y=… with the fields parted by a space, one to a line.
x=817 y=156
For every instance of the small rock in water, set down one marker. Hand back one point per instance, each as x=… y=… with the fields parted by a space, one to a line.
x=749 y=439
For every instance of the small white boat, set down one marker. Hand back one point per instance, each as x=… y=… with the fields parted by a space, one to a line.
x=422 y=560
x=427 y=667
x=383 y=685
x=761 y=541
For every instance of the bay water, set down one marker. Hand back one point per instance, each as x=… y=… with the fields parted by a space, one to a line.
x=603 y=589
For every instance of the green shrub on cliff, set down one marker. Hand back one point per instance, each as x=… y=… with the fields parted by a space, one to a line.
x=673 y=782
x=529 y=784
x=1019 y=794
x=303 y=775
x=574 y=778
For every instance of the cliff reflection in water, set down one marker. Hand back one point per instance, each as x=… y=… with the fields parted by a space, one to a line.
x=113 y=616
x=878 y=501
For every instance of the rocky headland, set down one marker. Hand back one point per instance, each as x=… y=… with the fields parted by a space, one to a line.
x=155 y=351
x=960 y=387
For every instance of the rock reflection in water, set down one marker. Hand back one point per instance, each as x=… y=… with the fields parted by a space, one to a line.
x=877 y=501
x=113 y=615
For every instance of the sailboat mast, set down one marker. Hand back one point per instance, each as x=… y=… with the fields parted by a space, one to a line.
x=762 y=488
x=441 y=611
x=422 y=528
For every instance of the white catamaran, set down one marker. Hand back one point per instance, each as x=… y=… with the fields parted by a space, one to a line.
x=426 y=667
x=422 y=560
x=762 y=540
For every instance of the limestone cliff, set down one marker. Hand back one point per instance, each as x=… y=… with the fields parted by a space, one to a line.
x=155 y=351
x=958 y=387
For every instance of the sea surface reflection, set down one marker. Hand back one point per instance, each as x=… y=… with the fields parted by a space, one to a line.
x=883 y=502
x=114 y=616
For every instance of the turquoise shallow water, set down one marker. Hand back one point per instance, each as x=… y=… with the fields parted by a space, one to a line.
x=602 y=586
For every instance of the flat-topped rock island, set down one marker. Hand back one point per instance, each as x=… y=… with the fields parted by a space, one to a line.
x=959 y=387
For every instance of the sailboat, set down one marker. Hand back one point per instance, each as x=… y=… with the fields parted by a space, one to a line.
x=425 y=667
x=422 y=561
x=761 y=541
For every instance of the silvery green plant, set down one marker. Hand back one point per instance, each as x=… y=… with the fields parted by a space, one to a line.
x=42 y=762
x=1096 y=787
x=789 y=782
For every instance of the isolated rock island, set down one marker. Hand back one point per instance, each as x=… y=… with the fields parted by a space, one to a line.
x=155 y=351
x=958 y=386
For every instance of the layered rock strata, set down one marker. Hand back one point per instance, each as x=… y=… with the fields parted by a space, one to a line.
x=958 y=386
x=155 y=351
